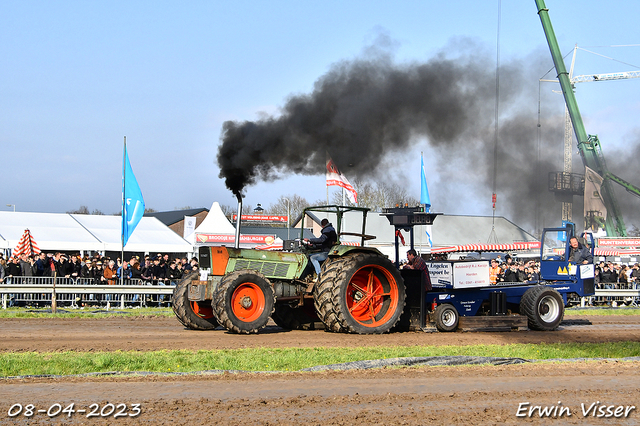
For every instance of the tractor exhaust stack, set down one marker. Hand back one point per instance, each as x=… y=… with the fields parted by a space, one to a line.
x=237 y=239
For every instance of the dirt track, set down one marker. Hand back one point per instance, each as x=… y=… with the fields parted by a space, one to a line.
x=435 y=395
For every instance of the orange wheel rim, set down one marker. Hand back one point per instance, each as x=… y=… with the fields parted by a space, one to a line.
x=248 y=302
x=203 y=311
x=372 y=296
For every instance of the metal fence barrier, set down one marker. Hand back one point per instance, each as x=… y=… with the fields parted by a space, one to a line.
x=607 y=296
x=35 y=291
x=38 y=291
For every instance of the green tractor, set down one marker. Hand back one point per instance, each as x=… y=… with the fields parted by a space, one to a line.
x=359 y=290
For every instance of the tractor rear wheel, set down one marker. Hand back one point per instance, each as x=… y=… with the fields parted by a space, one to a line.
x=243 y=301
x=543 y=306
x=323 y=293
x=367 y=293
x=196 y=315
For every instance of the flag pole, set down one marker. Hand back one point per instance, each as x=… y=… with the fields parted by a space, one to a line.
x=124 y=216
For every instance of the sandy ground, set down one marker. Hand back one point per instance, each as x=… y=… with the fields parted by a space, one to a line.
x=413 y=396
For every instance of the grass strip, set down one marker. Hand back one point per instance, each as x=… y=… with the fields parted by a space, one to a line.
x=283 y=359
x=96 y=312
x=100 y=312
x=603 y=311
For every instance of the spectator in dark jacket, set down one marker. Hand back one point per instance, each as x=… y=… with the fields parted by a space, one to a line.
x=13 y=268
x=41 y=264
x=511 y=274
x=173 y=273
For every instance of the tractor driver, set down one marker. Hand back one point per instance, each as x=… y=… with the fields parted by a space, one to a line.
x=579 y=253
x=325 y=241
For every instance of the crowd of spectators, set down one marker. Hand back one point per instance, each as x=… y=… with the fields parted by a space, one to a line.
x=97 y=269
x=159 y=269
x=617 y=276
x=513 y=271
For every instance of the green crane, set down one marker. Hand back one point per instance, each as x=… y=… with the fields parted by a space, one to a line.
x=588 y=145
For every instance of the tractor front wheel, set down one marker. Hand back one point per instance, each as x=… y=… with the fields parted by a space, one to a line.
x=196 y=315
x=243 y=301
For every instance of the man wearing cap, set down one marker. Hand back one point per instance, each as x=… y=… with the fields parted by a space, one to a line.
x=87 y=269
x=98 y=274
x=325 y=241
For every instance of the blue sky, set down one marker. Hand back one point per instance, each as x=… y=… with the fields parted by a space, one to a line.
x=78 y=76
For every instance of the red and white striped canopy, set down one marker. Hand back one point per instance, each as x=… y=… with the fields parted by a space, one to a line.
x=27 y=245
x=528 y=245
x=606 y=252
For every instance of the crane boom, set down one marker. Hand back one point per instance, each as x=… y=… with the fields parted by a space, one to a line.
x=606 y=77
x=588 y=145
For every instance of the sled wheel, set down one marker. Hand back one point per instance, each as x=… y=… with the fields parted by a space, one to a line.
x=243 y=301
x=368 y=293
x=194 y=315
x=446 y=317
x=544 y=308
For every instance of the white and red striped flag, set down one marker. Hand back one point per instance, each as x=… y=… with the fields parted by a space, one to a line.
x=335 y=178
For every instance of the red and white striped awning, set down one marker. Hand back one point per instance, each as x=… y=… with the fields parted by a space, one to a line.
x=528 y=245
x=27 y=245
x=629 y=252
x=606 y=252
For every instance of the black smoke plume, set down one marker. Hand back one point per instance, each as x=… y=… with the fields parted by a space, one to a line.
x=365 y=111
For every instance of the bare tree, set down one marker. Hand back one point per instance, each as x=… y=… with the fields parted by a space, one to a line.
x=81 y=210
x=378 y=195
x=228 y=211
x=295 y=203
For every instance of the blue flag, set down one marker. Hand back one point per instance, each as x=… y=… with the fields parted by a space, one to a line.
x=424 y=191
x=132 y=201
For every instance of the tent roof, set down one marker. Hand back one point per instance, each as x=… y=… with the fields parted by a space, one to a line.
x=447 y=230
x=174 y=216
x=52 y=231
x=75 y=232
x=215 y=222
x=150 y=234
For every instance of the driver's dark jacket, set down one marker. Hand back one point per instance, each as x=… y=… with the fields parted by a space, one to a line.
x=580 y=254
x=327 y=239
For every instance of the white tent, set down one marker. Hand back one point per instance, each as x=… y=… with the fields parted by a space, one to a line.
x=4 y=244
x=214 y=223
x=75 y=232
x=52 y=231
x=150 y=235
